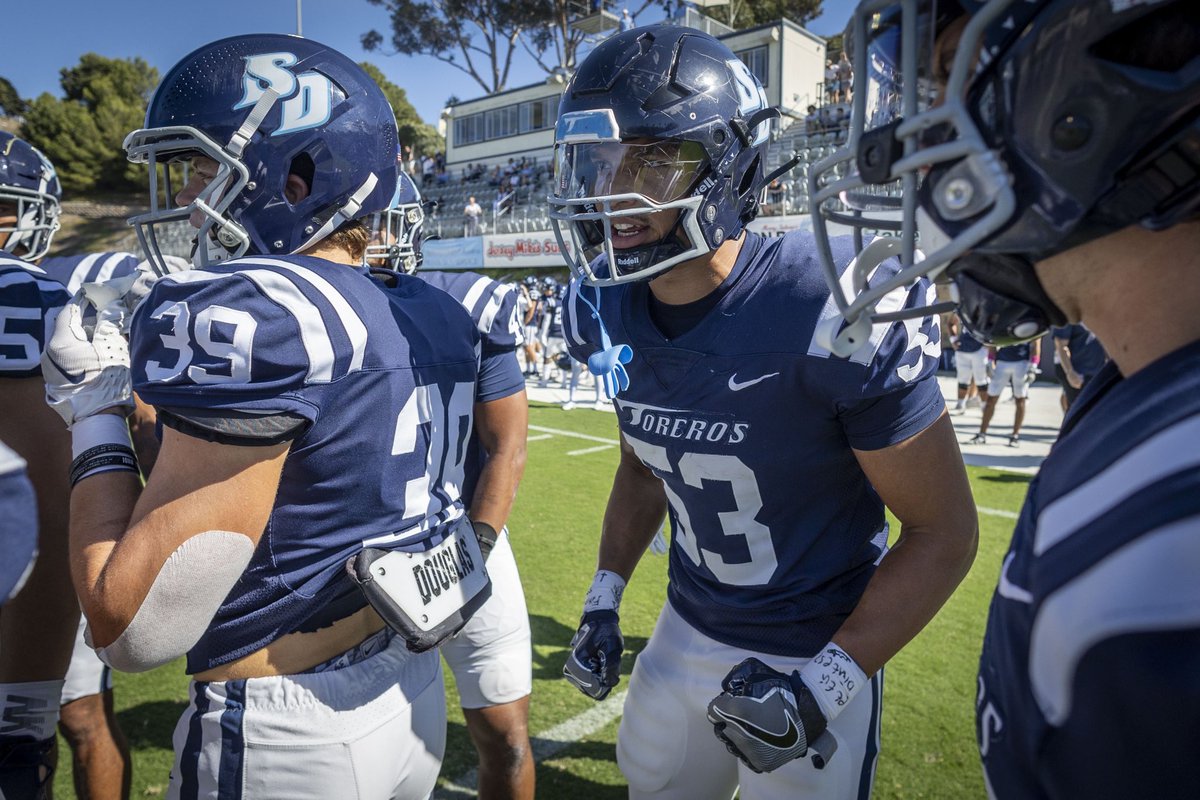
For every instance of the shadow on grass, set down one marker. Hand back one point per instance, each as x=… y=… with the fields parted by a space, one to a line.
x=549 y=632
x=151 y=724
x=1005 y=477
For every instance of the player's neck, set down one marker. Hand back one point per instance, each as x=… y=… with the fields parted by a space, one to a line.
x=329 y=252
x=1136 y=290
x=695 y=279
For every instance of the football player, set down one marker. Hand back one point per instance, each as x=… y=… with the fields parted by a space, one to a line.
x=313 y=425
x=45 y=612
x=1016 y=366
x=1060 y=183
x=773 y=457
x=492 y=657
x=550 y=337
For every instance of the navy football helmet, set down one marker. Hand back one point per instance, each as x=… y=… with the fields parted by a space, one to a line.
x=656 y=120
x=396 y=231
x=29 y=184
x=264 y=106
x=1016 y=130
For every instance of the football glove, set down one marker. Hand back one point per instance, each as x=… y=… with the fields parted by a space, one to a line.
x=87 y=371
x=594 y=663
x=1031 y=374
x=765 y=717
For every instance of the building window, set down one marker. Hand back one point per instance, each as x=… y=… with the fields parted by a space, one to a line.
x=496 y=123
x=756 y=59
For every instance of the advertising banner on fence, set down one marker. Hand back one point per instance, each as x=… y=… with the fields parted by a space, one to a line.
x=535 y=249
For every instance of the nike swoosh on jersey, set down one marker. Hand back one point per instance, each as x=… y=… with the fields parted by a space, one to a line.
x=784 y=741
x=1009 y=590
x=735 y=386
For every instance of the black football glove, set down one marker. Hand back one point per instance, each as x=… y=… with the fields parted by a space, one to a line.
x=767 y=718
x=594 y=663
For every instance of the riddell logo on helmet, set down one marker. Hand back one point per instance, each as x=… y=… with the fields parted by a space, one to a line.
x=307 y=97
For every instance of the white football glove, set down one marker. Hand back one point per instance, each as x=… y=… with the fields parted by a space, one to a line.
x=134 y=287
x=87 y=371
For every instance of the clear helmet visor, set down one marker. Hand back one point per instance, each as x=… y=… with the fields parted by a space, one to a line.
x=660 y=172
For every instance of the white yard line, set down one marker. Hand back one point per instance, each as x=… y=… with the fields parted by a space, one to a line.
x=583 y=436
x=539 y=437
x=997 y=512
x=546 y=745
x=587 y=450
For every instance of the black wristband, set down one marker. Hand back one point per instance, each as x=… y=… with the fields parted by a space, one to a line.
x=103 y=458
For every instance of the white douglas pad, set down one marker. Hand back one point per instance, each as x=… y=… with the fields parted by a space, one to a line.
x=181 y=602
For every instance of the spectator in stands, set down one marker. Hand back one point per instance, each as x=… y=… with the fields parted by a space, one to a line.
x=774 y=198
x=1079 y=356
x=626 y=20
x=845 y=78
x=840 y=120
x=826 y=119
x=472 y=211
x=811 y=121
x=427 y=170
x=494 y=177
x=831 y=82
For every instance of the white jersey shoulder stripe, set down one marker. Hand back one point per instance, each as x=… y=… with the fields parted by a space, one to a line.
x=1147 y=585
x=352 y=323
x=1167 y=452
x=477 y=290
x=109 y=266
x=487 y=318
x=79 y=273
x=283 y=291
x=19 y=276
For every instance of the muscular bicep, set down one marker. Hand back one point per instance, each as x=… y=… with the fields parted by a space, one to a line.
x=502 y=425
x=922 y=479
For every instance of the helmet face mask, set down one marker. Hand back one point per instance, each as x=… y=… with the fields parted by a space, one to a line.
x=263 y=107
x=219 y=237
x=29 y=191
x=396 y=233
x=660 y=141
x=1053 y=124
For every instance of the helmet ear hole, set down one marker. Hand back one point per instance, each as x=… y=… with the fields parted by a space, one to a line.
x=303 y=167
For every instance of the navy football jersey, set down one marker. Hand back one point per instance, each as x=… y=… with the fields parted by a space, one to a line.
x=385 y=381
x=18 y=522
x=1087 y=681
x=968 y=343
x=29 y=303
x=1014 y=352
x=750 y=424
x=74 y=271
x=493 y=308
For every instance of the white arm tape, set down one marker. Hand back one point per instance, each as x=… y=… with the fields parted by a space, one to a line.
x=181 y=603
x=834 y=678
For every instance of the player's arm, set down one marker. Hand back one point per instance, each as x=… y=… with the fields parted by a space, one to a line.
x=923 y=482
x=636 y=506
x=1062 y=347
x=502 y=426
x=155 y=556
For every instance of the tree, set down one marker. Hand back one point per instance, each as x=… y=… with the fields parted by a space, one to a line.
x=11 y=104
x=745 y=14
x=414 y=133
x=478 y=37
x=104 y=99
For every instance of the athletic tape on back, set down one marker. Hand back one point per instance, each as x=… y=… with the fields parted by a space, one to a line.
x=181 y=602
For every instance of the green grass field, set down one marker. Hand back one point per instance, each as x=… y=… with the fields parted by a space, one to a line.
x=928 y=729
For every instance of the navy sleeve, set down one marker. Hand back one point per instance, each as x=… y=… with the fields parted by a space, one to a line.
x=499 y=376
x=503 y=333
x=29 y=303
x=1134 y=723
x=899 y=395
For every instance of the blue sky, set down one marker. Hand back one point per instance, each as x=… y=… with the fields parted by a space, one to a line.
x=47 y=35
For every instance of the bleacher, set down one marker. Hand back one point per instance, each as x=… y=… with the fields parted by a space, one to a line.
x=526 y=212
